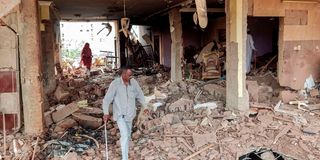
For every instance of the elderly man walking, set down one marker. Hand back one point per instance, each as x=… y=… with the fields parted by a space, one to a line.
x=123 y=92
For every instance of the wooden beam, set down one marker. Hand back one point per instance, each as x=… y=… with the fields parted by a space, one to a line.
x=209 y=10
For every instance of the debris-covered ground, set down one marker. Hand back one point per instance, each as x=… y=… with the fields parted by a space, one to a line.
x=188 y=120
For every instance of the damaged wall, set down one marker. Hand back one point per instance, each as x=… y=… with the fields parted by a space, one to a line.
x=8 y=47
x=299 y=39
x=9 y=97
x=300 y=57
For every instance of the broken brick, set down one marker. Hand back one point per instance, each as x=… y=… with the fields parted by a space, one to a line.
x=170 y=119
x=312 y=129
x=61 y=94
x=71 y=156
x=314 y=92
x=64 y=112
x=287 y=96
x=99 y=91
x=95 y=72
x=90 y=110
x=77 y=83
x=265 y=94
x=253 y=89
x=217 y=91
x=87 y=121
x=259 y=93
x=200 y=140
x=64 y=125
x=181 y=105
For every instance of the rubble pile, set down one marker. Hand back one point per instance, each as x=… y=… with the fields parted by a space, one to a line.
x=222 y=134
x=187 y=120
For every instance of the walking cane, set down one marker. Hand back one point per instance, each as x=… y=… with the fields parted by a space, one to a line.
x=106 y=138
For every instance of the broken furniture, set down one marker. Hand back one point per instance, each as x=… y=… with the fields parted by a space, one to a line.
x=212 y=67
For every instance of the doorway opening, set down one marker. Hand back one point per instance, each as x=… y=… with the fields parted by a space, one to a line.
x=265 y=34
x=101 y=38
x=141 y=50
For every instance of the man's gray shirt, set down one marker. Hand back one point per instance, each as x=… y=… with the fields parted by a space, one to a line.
x=123 y=98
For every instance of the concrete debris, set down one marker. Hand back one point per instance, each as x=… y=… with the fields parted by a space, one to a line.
x=283 y=132
x=209 y=105
x=181 y=105
x=268 y=156
x=203 y=139
x=65 y=124
x=216 y=90
x=300 y=104
x=64 y=112
x=312 y=129
x=253 y=89
x=77 y=83
x=303 y=94
x=287 y=96
x=90 y=110
x=61 y=94
x=259 y=93
x=158 y=94
x=156 y=105
x=278 y=109
x=70 y=156
x=87 y=121
x=48 y=118
x=205 y=122
x=188 y=120
x=314 y=93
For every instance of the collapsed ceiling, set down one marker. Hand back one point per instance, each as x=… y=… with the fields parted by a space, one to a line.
x=114 y=9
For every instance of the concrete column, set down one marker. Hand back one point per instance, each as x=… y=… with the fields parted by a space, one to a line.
x=176 y=44
x=48 y=51
x=237 y=94
x=32 y=88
